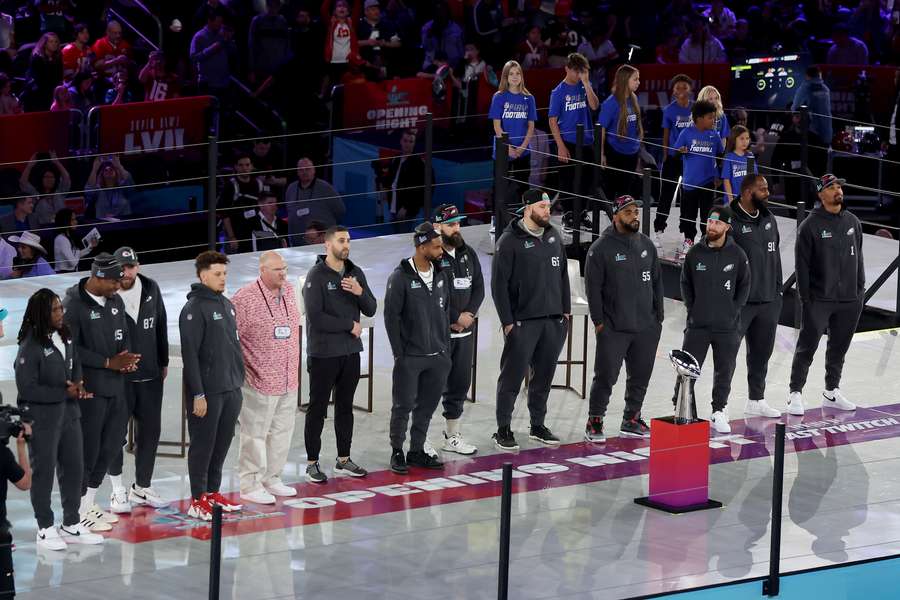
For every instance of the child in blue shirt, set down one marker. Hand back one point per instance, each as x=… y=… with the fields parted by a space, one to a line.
x=699 y=146
x=676 y=118
x=513 y=112
x=734 y=165
x=621 y=134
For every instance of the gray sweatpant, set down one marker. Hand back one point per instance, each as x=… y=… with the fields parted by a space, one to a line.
x=417 y=385
x=638 y=350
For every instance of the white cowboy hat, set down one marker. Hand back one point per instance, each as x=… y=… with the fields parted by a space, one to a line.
x=29 y=239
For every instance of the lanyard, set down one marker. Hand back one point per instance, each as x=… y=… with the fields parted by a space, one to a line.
x=261 y=293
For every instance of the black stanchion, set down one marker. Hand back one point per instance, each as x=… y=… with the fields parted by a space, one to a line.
x=804 y=154
x=577 y=201
x=772 y=583
x=429 y=145
x=647 y=198
x=215 y=553
x=801 y=214
x=597 y=193
x=897 y=296
x=505 y=515
x=212 y=162
x=501 y=169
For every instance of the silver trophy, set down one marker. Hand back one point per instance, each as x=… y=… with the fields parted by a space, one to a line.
x=688 y=369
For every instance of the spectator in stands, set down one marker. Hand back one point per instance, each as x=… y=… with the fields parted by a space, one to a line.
x=269 y=232
x=264 y=159
x=51 y=190
x=78 y=56
x=564 y=40
x=62 y=100
x=341 y=46
x=307 y=41
x=533 y=51
x=7 y=256
x=441 y=34
x=722 y=19
x=679 y=15
x=871 y=26
x=814 y=94
x=121 y=92
x=667 y=52
x=107 y=189
x=210 y=53
x=160 y=83
x=846 y=49
x=67 y=248
x=30 y=261
x=440 y=69
x=600 y=52
x=44 y=73
x=111 y=52
x=269 y=42
x=21 y=218
x=81 y=92
x=489 y=20
x=55 y=15
x=701 y=46
x=741 y=44
x=311 y=199
x=240 y=196
x=9 y=104
x=378 y=38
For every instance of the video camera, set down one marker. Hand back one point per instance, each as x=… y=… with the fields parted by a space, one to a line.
x=12 y=421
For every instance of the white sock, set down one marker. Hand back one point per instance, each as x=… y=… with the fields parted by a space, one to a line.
x=87 y=501
x=452 y=427
x=117 y=484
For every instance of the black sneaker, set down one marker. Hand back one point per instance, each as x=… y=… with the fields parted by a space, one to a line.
x=540 y=433
x=634 y=427
x=419 y=458
x=398 y=462
x=593 y=431
x=314 y=474
x=348 y=467
x=505 y=440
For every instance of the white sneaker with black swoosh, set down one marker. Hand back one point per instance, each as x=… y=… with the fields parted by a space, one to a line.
x=79 y=534
x=139 y=496
x=49 y=539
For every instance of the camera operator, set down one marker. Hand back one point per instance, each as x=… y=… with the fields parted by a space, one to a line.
x=48 y=379
x=19 y=473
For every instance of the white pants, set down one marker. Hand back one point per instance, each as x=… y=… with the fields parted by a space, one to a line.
x=267 y=426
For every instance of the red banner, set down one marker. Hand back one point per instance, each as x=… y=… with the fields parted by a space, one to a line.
x=392 y=104
x=152 y=126
x=27 y=133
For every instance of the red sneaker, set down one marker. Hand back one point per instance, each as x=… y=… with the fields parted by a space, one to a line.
x=227 y=505
x=201 y=508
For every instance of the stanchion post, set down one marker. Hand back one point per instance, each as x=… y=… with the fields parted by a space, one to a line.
x=429 y=145
x=501 y=168
x=215 y=553
x=804 y=154
x=212 y=161
x=897 y=296
x=505 y=516
x=772 y=583
x=801 y=214
x=578 y=201
x=647 y=197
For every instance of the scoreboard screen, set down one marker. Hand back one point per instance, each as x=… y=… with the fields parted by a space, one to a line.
x=767 y=81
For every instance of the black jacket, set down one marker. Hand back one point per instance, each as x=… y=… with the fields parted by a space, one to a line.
x=99 y=333
x=410 y=183
x=828 y=257
x=623 y=281
x=210 y=347
x=417 y=320
x=42 y=372
x=331 y=311
x=758 y=237
x=466 y=282
x=715 y=283
x=149 y=335
x=530 y=276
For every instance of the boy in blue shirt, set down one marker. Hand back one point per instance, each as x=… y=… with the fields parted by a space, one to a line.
x=571 y=103
x=676 y=118
x=699 y=146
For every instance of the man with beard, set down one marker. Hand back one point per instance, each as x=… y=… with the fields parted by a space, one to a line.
x=831 y=281
x=148 y=336
x=240 y=196
x=416 y=309
x=623 y=282
x=715 y=283
x=466 y=295
x=335 y=294
x=756 y=232
x=530 y=287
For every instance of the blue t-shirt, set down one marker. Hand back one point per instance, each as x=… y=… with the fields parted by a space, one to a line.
x=675 y=119
x=609 y=120
x=514 y=112
x=734 y=169
x=568 y=103
x=722 y=127
x=700 y=160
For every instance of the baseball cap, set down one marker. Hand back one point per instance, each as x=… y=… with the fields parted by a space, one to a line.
x=447 y=213
x=424 y=233
x=720 y=213
x=623 y=201
x=105 y=266
x=828 y=180
x=532 y=196
x=371 y=3
x=126 y=256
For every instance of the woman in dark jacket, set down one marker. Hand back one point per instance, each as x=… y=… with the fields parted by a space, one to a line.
x=44 y=73
x=48 y=379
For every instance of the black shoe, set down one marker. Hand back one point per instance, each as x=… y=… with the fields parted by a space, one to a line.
x=418 y=458
x=634 y=427
x=543 y=435
x=505 y=440
x=398 y=462
x=593 y=431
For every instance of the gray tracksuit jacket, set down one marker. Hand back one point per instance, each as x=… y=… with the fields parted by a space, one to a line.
x=416 y=319
x=828 y=257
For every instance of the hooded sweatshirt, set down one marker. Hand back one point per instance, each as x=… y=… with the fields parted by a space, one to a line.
x=715 y=283
x=828 y=257
x=416 y=318
x=758 y=237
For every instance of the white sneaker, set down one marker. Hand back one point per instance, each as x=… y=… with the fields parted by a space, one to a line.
x=456 y=443
x=100 y=514
x=49 y=539
x=835 y=399
x=259 y=496
x=760 y=408
x=79 y=534
x=720 y=422
x=795 y=404
x=686 y=245
x=657 y=240
x=118 y=502
x=145 y=496
x=93 y=520
x=277 y=488
x=428 y=448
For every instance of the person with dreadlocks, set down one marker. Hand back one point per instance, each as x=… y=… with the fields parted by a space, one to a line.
x=48 y=378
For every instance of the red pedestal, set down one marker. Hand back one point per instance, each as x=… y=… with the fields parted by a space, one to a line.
x=679 y=467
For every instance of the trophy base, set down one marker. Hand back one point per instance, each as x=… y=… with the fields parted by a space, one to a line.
x=677 y=510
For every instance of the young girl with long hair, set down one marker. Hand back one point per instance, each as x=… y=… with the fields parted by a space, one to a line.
x=513 y=111
x=621 y=133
